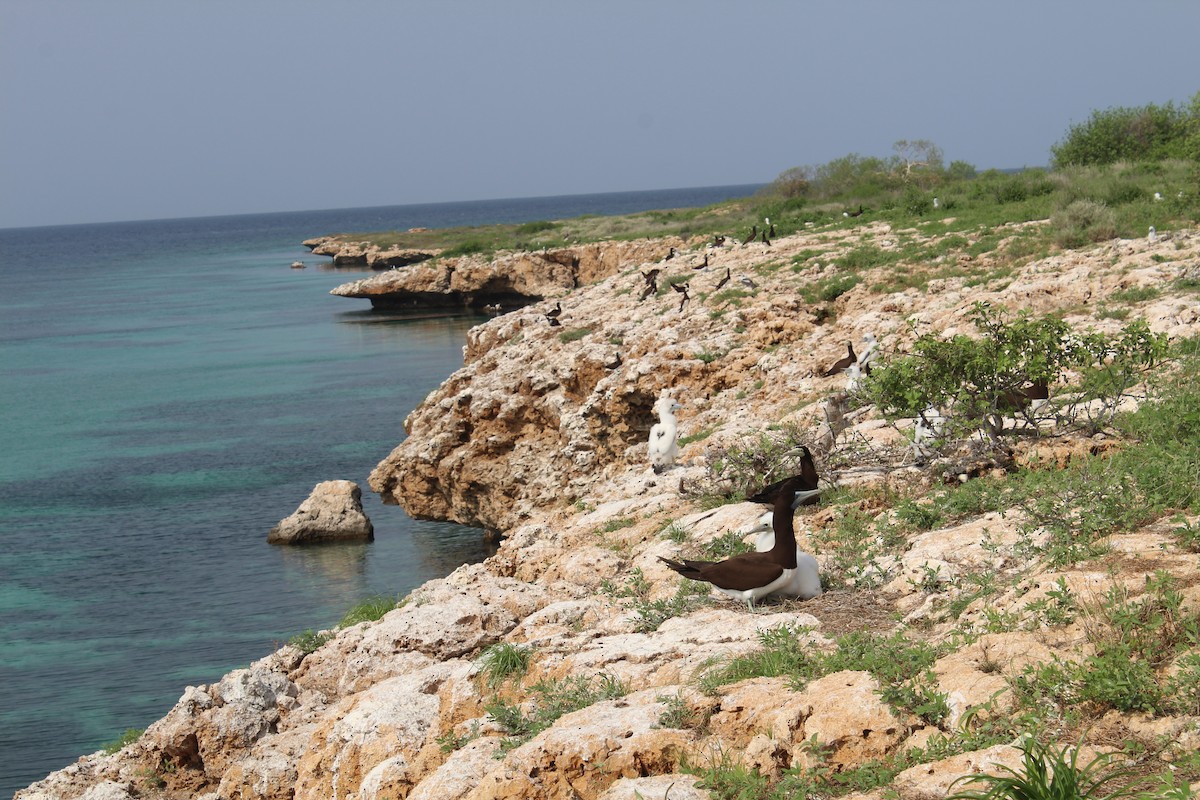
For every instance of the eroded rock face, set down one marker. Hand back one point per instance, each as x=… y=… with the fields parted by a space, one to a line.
x=332 y=513
x=510 y=280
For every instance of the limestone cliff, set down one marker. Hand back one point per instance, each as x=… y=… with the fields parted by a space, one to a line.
x=509 y=280
x=541 y=435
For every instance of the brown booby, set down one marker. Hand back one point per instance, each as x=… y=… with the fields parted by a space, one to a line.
x=554 y=312
x=858 y=213
x=842 y=363
x=724 y=280
x=702 y=265
x=753 y=234
x=807 y=491
x=554 y=323
x=753 y=576
x=670 y=254
x=766 y=241
x=1015 y=400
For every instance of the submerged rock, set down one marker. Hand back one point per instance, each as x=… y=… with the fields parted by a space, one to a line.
x=332 y=513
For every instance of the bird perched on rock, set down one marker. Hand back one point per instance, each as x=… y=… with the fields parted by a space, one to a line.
x=842 y=363
x=670 y=254
x=554 y=312
x=724 y=280
x=765 y=240
x=554 y=321
x=807 y=492
x=651 y=279
x=753 y=576
x=748 y=282
x=703 y=264
x=682 y=288
x=753 y=234
x=663 y=435
x=868 y=353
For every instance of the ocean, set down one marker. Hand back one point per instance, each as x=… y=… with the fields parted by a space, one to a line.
x=169 y=391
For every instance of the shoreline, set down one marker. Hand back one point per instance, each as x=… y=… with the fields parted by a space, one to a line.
x=552 y=455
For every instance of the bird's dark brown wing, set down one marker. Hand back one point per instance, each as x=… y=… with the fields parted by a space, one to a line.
x=742 y=572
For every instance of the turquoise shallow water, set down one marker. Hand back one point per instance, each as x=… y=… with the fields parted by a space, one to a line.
x=168 y=392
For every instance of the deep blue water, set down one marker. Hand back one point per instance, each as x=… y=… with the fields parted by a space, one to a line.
x=169 y=390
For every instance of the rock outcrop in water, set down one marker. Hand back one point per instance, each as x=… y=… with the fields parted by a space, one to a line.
x=333 y=512
x=541 y=435
x=509 y=280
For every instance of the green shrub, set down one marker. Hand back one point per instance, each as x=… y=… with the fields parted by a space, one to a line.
x=1083 y=222
x=831 y=288
x=530 y=228
x=368 y=610
x=1047 y=775
x=552 y=699
x=502 y=661
x=1149 y=132
x=309 y=641
x=130 y=736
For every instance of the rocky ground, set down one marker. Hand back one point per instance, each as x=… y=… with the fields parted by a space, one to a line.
x=540 y=436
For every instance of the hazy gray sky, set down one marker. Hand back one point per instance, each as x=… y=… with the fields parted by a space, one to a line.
x=136 y=109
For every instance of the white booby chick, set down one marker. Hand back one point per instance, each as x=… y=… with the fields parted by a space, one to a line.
x=853 y=376
x=663 y=435
x=868 y=352
x=929 y=426
x=1153 y=236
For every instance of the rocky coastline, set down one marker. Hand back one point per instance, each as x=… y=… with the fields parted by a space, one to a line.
x=540 y=436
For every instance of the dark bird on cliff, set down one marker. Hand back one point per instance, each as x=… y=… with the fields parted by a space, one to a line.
x=683 y=300
x=753 y=234
x=718 y=240
x=616 y=361
x=724 y=280
x=765 y=240
x=650 y=289
x=1036 y=394
x=807 y=490
x=554 y=323
x=770 y=226
x=858 y=213
x=702 y=265
x=842 y=363
x=753 y=576
x=670 y=255
x=554 y=312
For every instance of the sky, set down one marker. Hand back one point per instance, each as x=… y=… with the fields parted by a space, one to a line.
x=150 y=109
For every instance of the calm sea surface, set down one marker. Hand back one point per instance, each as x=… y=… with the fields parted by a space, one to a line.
x=170 y=390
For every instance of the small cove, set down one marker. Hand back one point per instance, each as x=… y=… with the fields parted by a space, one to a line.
x=171 y=390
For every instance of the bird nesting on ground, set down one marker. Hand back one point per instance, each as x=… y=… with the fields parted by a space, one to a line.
x=753 y=576
x=753 y=234
x=724 y=280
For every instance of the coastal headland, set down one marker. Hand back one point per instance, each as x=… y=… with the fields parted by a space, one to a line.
x=961 y=611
